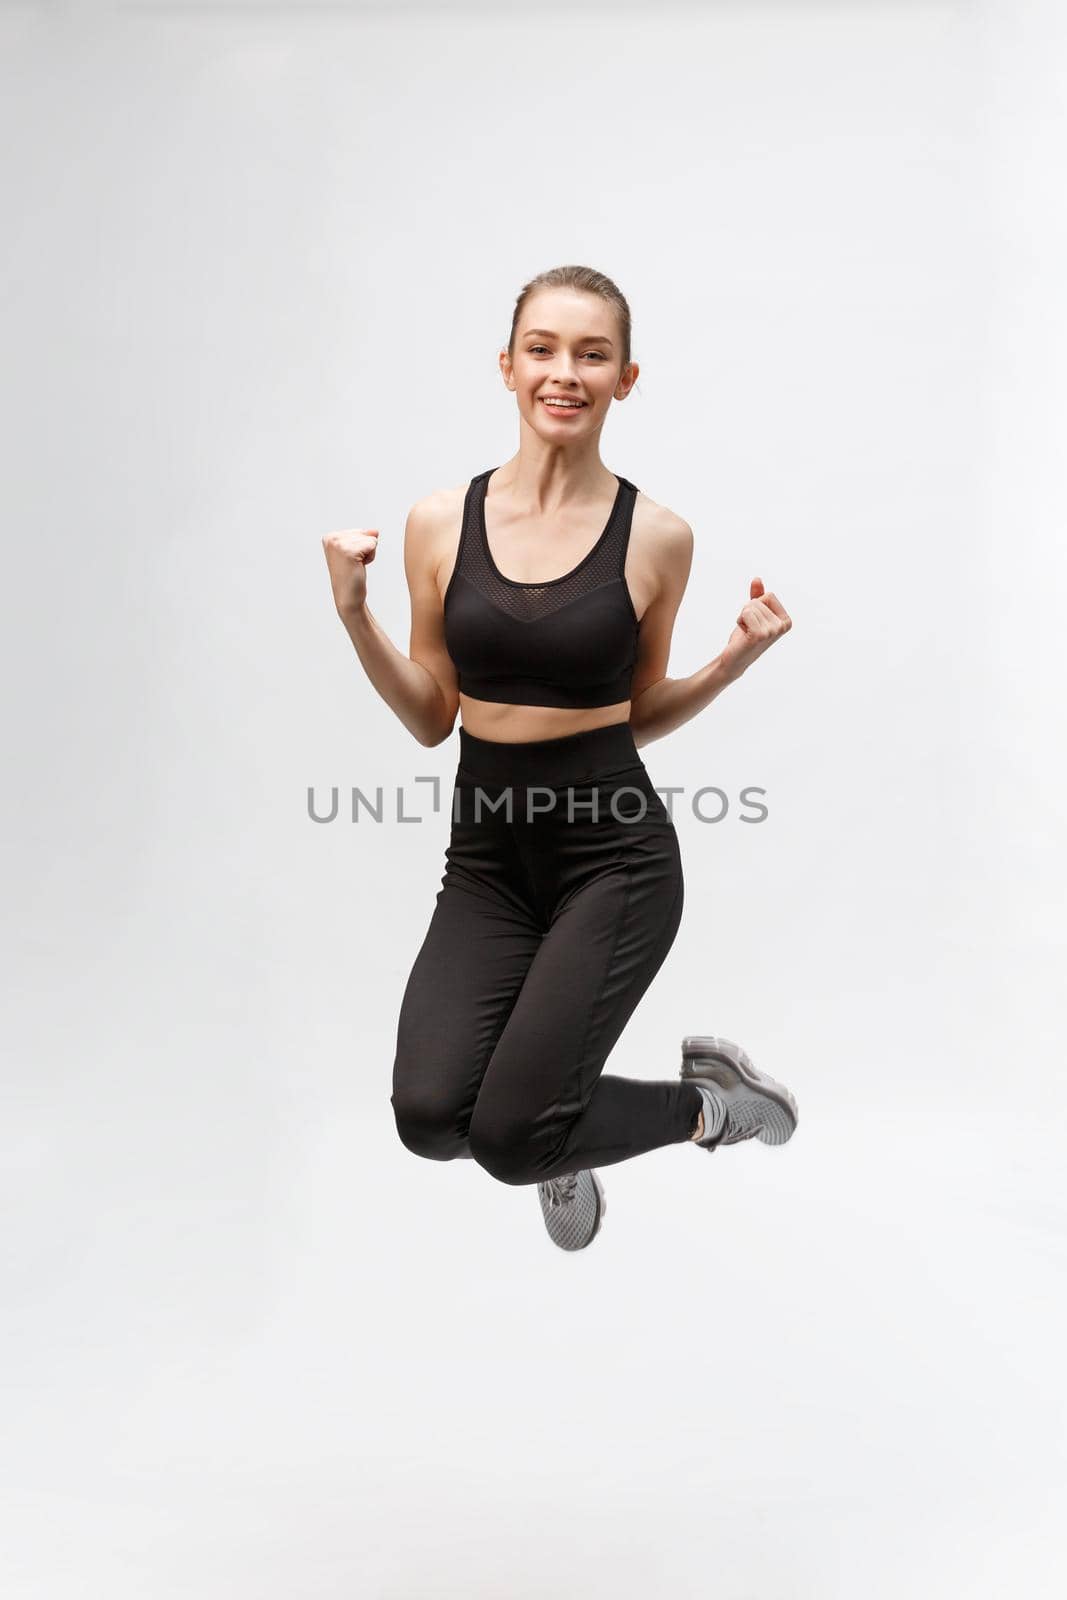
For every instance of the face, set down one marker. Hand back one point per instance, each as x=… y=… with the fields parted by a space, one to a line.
x=567 y=345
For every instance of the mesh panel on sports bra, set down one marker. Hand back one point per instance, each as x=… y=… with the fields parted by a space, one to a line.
x=571 y=641
x=527 y=602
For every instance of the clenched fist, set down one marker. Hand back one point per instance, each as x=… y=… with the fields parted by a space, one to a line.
x=759 y=623
x=347 y=555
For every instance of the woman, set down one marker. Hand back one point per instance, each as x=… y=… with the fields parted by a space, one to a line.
x=543 y=598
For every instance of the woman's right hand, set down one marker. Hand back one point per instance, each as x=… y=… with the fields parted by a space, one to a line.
x=347 y=555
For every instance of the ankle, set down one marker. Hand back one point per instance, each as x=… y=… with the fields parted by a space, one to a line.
x=712 y=1119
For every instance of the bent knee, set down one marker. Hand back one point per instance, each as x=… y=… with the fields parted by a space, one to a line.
x=428 y=1127
x=505 y=1150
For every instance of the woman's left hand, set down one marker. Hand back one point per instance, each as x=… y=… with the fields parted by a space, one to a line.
x=759 y=623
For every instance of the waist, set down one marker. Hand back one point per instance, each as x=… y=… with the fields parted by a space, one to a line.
x=571 y=758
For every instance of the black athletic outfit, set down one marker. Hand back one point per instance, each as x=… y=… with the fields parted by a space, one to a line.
x=562 y=891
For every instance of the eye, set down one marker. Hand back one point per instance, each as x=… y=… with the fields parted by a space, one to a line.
x=534 y=348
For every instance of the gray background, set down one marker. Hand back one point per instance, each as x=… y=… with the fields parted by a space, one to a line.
x=259 y=261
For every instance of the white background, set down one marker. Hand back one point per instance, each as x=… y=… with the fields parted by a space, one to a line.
x=259 y=261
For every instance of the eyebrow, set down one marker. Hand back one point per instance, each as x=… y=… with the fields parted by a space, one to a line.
x=586 y=338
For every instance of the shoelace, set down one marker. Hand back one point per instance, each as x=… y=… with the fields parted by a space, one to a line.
x=743 y=1121
x=561 y=1191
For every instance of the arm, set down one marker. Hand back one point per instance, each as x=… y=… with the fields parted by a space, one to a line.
x=421 y=687
x=660 y=704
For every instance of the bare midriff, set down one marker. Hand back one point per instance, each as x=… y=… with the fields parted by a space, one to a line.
x=490 y=719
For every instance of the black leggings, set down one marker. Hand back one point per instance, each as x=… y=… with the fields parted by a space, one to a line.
x=550 y=925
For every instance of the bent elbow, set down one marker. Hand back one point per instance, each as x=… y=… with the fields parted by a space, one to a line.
x=433 y=738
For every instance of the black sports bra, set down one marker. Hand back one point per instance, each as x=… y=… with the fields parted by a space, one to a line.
x=571 y=641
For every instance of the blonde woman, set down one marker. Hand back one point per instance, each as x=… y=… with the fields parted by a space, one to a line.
x=543 y=598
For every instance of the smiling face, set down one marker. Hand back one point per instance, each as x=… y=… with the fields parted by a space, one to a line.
x=567 y=348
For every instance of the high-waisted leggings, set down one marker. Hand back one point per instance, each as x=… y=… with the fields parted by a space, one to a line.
x=551 y=921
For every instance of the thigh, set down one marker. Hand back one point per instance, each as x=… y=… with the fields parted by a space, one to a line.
x=601 y=952
x=468 y=971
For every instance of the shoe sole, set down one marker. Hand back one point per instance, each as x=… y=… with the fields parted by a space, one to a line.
x=732 y=1066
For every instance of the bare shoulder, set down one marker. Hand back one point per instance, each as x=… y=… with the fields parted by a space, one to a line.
x=661 y=526
x=660 y=555
x=436 y=510
x=432 y=534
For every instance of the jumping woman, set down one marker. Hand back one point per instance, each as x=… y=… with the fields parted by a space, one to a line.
x=543 y=599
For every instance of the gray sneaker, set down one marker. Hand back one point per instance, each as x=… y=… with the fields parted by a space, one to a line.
x=573 y=1207
x=755 y=1106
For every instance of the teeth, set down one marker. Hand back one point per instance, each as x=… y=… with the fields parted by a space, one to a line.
x=572 y=405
